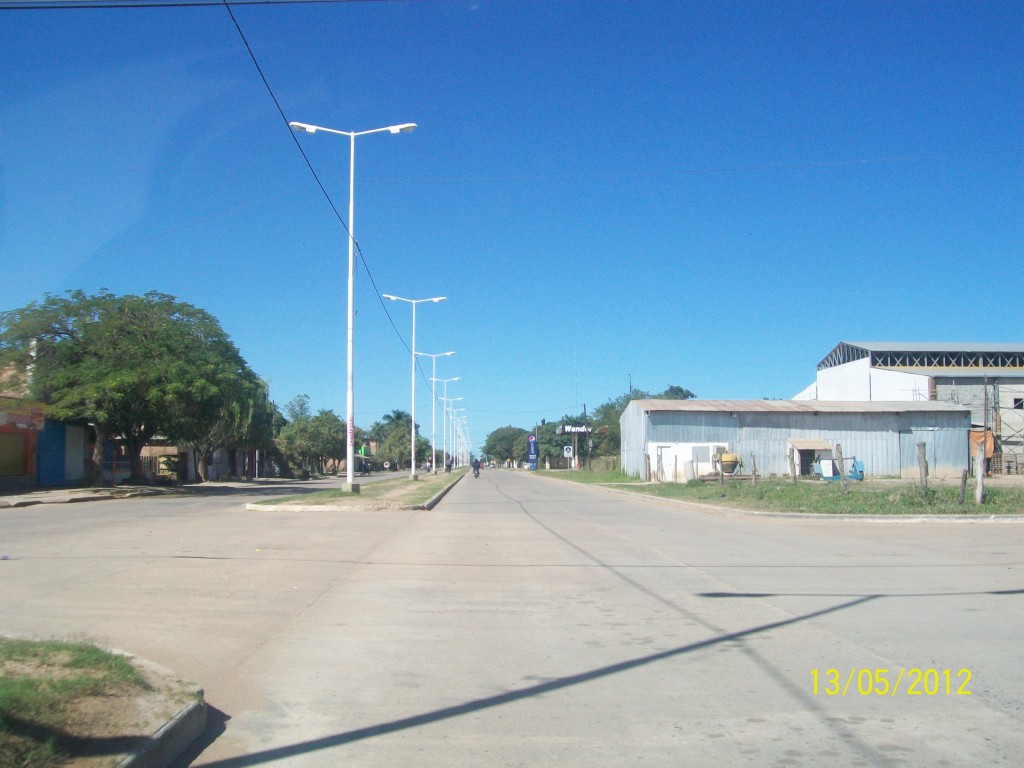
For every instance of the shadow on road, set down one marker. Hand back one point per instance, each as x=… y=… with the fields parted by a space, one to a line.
x=477 y=705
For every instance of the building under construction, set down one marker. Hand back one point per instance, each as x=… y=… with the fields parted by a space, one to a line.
x=986 y=378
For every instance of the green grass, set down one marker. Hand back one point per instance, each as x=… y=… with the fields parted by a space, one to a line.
x=584 y=476
x=823 y=497
x=399 y=489
x=40 y=682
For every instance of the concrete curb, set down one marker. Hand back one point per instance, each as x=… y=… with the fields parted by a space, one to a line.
x=370 y=506
x=21 y=502
x=171 y=739
x=72 y=497
x=441 y=494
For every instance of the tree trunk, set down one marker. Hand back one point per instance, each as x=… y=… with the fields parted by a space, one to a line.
x=94 y=474
x=202 y=454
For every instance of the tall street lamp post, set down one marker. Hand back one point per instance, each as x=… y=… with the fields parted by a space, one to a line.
x=445 y=414
x=412 y=427
x=456 y=446
x=444 y=418
x=433 y=403
x=350 y=484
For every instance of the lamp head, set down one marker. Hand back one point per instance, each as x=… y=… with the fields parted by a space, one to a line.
x=302 y=127
x=403 y=128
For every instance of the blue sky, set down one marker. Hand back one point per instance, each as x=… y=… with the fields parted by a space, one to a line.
x=708 y=195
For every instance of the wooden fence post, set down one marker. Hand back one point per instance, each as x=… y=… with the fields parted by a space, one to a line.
x=842 y=468
x=979 y=473
x=922 y=466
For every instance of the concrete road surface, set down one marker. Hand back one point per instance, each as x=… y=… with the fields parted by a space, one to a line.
x=529 y=622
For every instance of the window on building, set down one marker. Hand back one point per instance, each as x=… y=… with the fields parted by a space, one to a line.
x=1018 y=403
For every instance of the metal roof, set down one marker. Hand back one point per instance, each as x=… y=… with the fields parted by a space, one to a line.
x=934 y=346
x=796 y=406
x=917 y=355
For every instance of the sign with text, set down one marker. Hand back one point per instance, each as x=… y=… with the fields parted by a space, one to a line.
x=574 y=429
x=532 y=451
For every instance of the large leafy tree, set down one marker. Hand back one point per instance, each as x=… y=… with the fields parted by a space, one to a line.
x=392 y=436
x=235 y=413
x=312 y=441
x=506 y=444
x=131 y=366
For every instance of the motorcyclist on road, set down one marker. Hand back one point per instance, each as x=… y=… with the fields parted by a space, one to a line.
x=476 y=467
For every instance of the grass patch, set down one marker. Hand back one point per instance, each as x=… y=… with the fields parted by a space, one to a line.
x=40 y=685
x=821 y=497
x=591 y=478
x=399 y=489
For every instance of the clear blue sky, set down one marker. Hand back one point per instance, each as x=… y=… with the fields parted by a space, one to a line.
x=705 y=194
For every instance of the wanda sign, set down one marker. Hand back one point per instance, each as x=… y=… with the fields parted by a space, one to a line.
x=573 y=429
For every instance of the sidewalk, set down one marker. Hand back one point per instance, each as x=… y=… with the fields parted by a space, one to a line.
x=30 y=496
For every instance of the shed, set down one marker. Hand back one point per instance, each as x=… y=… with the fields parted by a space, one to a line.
x=883 y=435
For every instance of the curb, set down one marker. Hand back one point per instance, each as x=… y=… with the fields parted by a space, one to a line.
x=54 y=500
x=177 y=734
x=440 y=494
x=171 y=739
x=375 y=506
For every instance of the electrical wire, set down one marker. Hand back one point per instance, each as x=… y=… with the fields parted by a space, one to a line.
x=266 y=84
x=68 y=5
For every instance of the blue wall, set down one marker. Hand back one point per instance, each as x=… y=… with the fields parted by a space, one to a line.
x=51 y=454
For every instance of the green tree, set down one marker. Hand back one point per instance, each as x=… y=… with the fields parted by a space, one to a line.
x=392 y=436
x=312 y=441
x=506 y=444
x=131 y=366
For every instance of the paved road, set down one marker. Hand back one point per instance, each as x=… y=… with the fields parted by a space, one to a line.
x=529 y=622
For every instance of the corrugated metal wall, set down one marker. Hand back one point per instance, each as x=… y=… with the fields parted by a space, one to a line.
x=885 y=442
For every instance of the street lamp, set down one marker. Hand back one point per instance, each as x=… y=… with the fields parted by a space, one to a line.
x=433 y=403
x=412 y=427
x=349 y=394
x=456 y=447
x=444 y=416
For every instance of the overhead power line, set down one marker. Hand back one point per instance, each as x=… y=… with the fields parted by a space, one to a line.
x=266 y=84
x=66 y=5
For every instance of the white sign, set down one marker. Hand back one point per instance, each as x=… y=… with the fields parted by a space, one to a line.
x=567 y=451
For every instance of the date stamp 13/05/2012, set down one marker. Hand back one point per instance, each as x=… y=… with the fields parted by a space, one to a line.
x=882 y=681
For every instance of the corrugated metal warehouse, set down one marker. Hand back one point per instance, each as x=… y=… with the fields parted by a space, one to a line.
x=673 y=440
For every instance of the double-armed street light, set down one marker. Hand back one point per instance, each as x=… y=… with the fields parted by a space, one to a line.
x=433 y=403
x=444 y=417
x=412 y=428
x=349 y=395
x=456 y=438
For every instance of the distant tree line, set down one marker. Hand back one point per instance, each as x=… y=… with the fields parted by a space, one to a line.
x=510 y=443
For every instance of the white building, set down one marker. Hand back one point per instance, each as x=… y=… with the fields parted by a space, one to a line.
x=987 y=378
